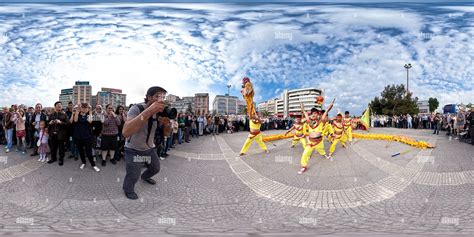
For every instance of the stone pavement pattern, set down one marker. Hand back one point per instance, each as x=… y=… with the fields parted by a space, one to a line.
x=204 y=188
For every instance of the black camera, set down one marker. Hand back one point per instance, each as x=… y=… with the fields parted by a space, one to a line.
x=168 y=112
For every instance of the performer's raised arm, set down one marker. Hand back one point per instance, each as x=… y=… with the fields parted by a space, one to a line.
x=304 y=112
x=328 y=109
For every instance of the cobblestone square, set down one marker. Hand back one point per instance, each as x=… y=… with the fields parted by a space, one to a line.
x=204 y=187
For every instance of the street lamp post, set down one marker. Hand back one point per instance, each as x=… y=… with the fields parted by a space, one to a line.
x=407 y=67
x=227 y=99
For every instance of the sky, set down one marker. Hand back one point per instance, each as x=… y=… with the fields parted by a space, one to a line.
x=351 y=50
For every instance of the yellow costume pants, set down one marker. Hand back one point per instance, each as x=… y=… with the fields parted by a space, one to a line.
x=343 y=140
x=250 y=139
x=349 y=133
x=299 y=139
x=308 y=151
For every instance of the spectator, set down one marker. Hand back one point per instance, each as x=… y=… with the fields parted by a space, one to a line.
x=470 y=120
x=122 y=115
x=109 y=134
x=460 y=121
x=436 y=124
x=43 y=136
x=200 y=121
x=57 y=131
x=187 y=127
x=409 y=121
x=97 y=121
x=8 y=124
x=181 y=122
x=82 y=120
x=210 y=125
x=194 y=126
x=20 y=118
x=167 y=132
x=174 y=126
x=72 y=144
x=36 y=118
x=216 y=125
x=29 y=132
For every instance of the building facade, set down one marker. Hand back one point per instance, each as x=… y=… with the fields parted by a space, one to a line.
x=182 y=105
x=288 y=104
x=201 y=103
x=170 y=98
x=66 y=96
x=112 y=96
x=225 y=105
x=82 y=92
x=270 y=106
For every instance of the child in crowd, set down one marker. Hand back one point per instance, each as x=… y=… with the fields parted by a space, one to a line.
x=42 y=144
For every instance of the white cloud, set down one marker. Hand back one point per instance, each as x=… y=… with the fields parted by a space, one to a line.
x=344 y=49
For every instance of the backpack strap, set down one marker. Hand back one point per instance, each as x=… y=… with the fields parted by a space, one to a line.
x=150 y=123
x=141 y=109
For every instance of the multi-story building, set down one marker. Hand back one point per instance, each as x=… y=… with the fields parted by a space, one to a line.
x=111 y=96
x=94 y=100
x=289 y=102
x=66 y=96
x=262 y=106
x=182 y=105
x=225 y=105
x=270 y=106
x=82 y=92
x=201 y=103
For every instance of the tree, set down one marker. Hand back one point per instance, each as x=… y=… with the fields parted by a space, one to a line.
x=189 y=109
x=394 y=101
x=433 y=104
x=265 y=113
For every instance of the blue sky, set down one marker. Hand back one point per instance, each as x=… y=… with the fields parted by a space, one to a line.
x=351 y=50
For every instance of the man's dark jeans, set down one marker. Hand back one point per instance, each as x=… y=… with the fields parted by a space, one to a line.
x=134 y=162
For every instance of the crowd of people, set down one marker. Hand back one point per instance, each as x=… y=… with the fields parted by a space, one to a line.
x=96 y=133
x=459 y=125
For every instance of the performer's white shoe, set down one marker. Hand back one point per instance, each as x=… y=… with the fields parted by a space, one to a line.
x=302 y=170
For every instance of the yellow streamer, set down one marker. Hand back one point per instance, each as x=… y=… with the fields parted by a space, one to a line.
x=372 y=136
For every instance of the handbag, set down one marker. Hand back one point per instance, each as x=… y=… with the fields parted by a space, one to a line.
x=39 y=141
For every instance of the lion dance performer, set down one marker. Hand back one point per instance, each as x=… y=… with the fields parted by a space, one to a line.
x=338 y=127
x=347 y=122
x=299 y=135
x=315 y=137
x=254 y=119
x=254 y=135
x=247 y=92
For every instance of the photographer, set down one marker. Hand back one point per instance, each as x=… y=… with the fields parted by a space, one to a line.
x=139 y=131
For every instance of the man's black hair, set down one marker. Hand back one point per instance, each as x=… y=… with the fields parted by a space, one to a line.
x=57 y=102
x=153 y=90
x=347 y=112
